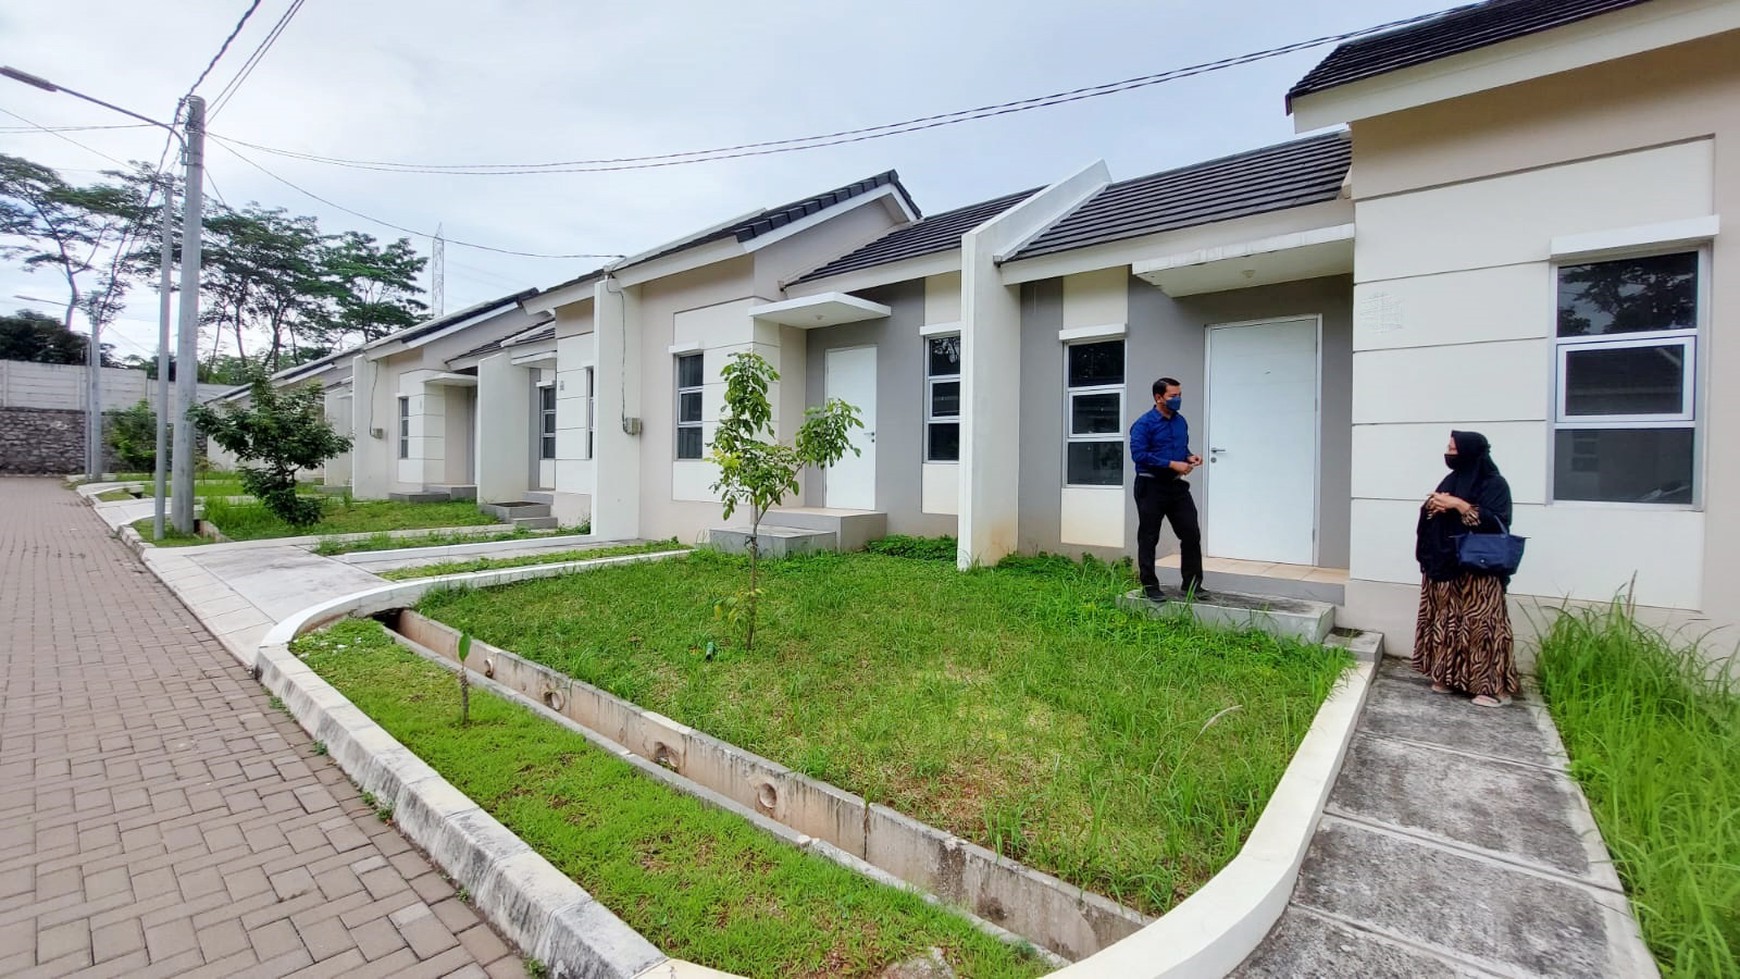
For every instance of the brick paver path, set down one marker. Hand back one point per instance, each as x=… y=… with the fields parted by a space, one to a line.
x=157 y=816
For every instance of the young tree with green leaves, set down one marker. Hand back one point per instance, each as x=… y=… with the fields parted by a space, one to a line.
x=756 y=470
x=283 y=431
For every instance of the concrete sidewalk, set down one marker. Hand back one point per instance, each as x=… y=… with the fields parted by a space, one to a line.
x=159 y=817
x=1453 y=844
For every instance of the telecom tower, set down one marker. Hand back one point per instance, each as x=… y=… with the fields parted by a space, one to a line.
x=438 y=273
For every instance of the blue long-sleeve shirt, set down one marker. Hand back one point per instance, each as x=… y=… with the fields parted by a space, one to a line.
x=1157 y=441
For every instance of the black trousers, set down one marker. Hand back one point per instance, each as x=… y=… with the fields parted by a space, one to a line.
x=1163 y=498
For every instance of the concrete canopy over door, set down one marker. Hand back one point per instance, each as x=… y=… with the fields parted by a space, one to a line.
x=851 y=377
x=1261 y=440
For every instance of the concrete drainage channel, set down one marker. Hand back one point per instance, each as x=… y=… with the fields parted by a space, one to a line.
x=1042 y=909
x=557 y=922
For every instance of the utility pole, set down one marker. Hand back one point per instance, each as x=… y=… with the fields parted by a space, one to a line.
x=94 y=402
x=438 y=273
x=165 y=257
x=187 y=342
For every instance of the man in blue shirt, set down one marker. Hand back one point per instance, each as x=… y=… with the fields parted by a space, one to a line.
x=1160 y=447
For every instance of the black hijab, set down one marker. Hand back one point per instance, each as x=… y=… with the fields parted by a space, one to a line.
x=1473 y=477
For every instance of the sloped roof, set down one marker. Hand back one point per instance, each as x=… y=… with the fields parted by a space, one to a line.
x=1453 y=32
x=937 y=233
x=444 y=321
x=1293 y=174
x=545 y=330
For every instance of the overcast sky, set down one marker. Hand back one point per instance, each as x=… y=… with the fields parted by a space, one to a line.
x=504 y=81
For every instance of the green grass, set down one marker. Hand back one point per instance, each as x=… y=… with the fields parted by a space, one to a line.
x=384 y=541
x=1018 y=707
x=171 y=537
x=522 y=560
x=251 y=521
x=1654 y=739
x=698 y=882
x=115 y=496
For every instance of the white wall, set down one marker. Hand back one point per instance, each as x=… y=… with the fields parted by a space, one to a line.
x=27 y=385
x=1454 y=316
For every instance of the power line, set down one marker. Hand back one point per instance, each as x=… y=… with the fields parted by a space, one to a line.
x=223 y=47
x=63 y=136
x=221 y=142
x=796 y=144
x=259 y=52
x=71 y=129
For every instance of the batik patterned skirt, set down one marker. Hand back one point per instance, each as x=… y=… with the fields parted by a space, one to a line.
x=1463 y=638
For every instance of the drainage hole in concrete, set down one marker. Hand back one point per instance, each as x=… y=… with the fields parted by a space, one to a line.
x=766 y=797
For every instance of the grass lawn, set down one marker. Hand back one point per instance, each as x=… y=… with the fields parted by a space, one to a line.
x=254 y=522
x=1018 y=707
x=387 y=542
x=698 y=882
x=1655 y=743
x=522 y=560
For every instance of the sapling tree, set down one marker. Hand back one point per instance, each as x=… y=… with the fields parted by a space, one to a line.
x=464 y=679
x=756 y=470
x=283 y=431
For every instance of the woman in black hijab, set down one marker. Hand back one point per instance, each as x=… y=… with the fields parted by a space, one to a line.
x=1463 y=638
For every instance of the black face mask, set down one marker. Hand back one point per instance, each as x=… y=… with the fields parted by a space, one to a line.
x=1457 y=462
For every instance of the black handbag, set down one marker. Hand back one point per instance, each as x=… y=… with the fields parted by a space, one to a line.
x=1496 y=554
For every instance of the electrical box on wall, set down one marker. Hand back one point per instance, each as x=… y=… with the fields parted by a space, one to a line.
x=631 y=426
x=377 y=433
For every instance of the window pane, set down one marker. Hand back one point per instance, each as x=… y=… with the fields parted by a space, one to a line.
x=547 y=397
x=688 y=443
x=689 y=406
x=1630 y=295
x=1095 y=414
x=943 y=356
x=549 y=423
x=1092 y=364
x=945 y=442
x=547 y=449
x=1636 y=465
x=945 y=399
x=689 y=371
x=1626 y=380
x=1096 y=463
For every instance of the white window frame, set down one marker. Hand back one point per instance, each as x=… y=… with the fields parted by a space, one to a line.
x=546 y=421
x=930 y=382
x=677 y=437
x=1688 y=418
x=404 y=426
x=1071 y=393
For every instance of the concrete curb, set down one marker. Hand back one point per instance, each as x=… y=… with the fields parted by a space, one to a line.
x=536 y=906
x=1213 y=930
x=1208 y=934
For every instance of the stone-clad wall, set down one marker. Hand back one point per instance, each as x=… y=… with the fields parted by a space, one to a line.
x=42 y=440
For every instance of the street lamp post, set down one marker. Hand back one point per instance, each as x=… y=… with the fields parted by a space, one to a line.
x=187 y=349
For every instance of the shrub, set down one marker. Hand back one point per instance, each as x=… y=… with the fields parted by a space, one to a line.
x=133 y=437
x=284 y=431
x=918 y=548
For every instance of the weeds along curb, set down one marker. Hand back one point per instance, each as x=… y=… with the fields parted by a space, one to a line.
x=500 y=548
x=536 y=906
x=1213 y=930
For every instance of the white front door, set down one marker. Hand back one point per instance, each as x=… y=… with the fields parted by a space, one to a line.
x=850 y=484
x=1260 y=440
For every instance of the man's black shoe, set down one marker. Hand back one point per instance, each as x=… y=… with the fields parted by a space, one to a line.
x=1154 y=593
x=1199 y=595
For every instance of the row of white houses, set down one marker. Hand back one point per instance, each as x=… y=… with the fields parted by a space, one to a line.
x=1505 y=220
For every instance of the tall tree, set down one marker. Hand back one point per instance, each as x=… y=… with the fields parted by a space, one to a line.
x=32 y=336
x=376 y=287
x=46 y=222
x=261 y=273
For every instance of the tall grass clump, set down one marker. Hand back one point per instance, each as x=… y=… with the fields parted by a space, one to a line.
x=1653 y=732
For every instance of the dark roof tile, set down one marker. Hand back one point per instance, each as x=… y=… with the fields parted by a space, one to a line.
x=1453 y=32
x=1295 y=174
x=937 y=233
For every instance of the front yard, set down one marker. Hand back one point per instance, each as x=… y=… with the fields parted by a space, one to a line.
x=698 y=882
x=1018 y=707
x=251 y=521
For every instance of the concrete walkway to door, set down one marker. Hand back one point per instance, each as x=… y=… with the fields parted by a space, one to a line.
x=159 y=818
x=1454 y=843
